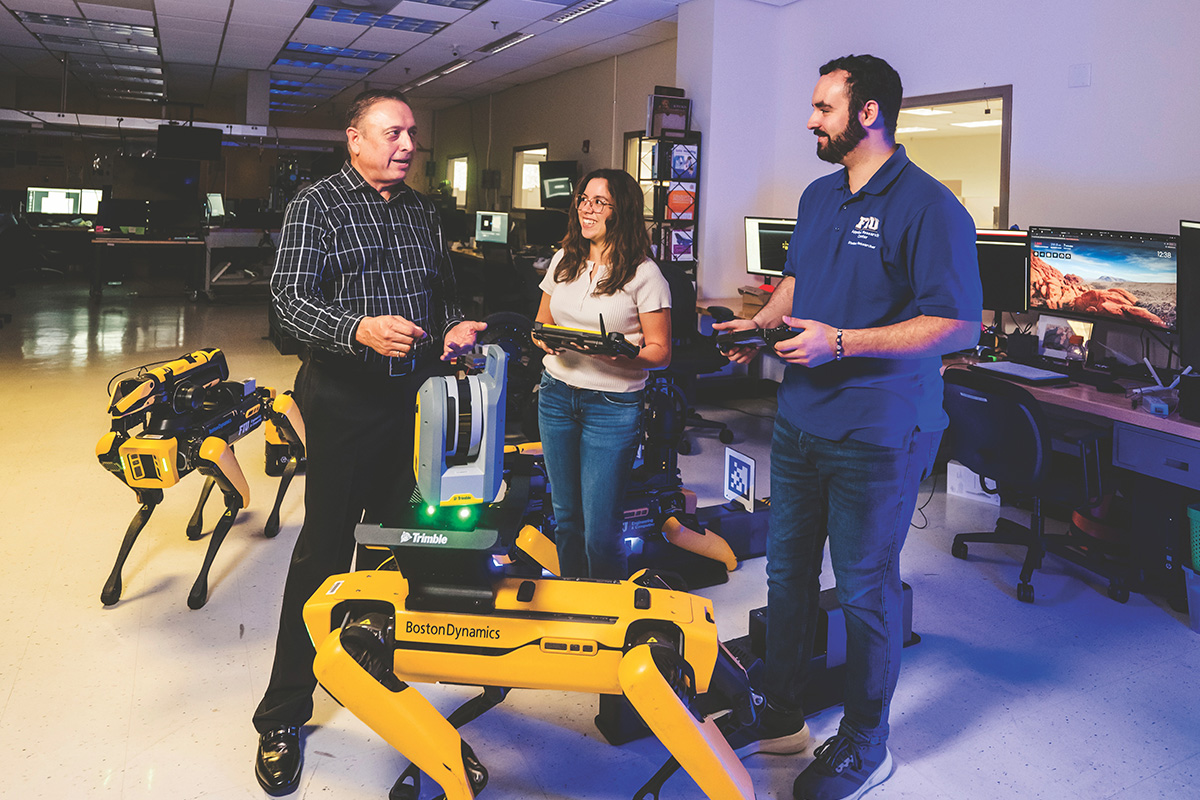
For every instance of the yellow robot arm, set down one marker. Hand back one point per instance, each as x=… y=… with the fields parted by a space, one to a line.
x=200 y=368
x=538 y=546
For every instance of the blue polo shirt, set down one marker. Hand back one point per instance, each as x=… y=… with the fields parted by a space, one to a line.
x=900 y=247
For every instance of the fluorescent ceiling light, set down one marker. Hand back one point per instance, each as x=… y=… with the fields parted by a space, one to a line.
x=366 y=18
x=291 y=62
x=983 y=123
x=121 y=28
x=76 y=41
x=504 y=43
x=579 y=11
x=924 y=112
x=338 y=52
x=468 y=5
x=440 y=72
x=914 y=129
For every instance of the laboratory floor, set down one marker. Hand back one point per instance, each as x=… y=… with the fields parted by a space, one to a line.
x=1075 y=696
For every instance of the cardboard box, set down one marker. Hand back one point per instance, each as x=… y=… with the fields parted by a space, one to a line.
x=962 y=482
x=753 y=299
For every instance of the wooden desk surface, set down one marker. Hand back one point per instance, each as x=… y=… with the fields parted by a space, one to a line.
x=1090 y=400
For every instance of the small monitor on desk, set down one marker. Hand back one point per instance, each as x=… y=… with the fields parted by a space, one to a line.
x=491 y=226
x=767 y=241
x=215 y=205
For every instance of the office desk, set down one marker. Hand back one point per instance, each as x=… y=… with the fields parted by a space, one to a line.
x=1161 y=460
x=245 y=247
x=190 y=251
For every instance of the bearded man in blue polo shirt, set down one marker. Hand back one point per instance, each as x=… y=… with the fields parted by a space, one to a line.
x=881 y=280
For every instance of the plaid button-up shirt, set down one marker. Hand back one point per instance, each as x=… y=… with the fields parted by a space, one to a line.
x=345 y=253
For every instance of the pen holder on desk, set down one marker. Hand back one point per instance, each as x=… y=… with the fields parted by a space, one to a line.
x=1189 y=396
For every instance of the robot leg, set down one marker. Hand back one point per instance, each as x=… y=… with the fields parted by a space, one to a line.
x=218 y=463
x=285 y=424
x=698 y=746
x=112 y=587
x=195 y=526
x=355 y=667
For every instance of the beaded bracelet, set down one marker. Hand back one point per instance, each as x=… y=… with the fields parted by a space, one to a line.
x=840 y=352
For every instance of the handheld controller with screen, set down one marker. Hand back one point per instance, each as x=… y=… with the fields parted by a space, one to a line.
x=599 y=342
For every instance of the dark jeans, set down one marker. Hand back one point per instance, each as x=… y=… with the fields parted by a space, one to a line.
x=861 y=498
x=590 y=440
x=360 y=452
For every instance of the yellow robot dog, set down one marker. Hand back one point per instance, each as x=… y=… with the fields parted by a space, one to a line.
x=448 y=614
x=190 y=415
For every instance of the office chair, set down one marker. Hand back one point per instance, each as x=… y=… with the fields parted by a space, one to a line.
x=999 y=431
x=692 y=354
x=505 y=287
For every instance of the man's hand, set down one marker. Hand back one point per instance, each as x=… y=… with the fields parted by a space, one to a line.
x=738 y=355
x=461 y=339
x=815 y=345
x=390 y=336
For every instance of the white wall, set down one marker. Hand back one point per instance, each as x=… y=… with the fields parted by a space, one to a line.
x=598 y=102
x=1122 y=153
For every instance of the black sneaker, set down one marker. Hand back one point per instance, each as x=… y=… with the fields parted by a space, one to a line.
x=774 y=731
x=843 y=770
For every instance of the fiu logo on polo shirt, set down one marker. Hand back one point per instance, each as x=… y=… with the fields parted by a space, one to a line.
x=865 y=233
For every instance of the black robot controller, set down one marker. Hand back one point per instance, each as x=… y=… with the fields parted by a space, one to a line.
x=755 y=337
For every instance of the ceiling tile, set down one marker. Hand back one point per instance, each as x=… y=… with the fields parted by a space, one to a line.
x=216 y=10
x=129 y=11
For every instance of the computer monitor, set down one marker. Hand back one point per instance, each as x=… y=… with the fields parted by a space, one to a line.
x=1188 y=316
x=491 y=226
x=123 y=213
x=1004 y=269
x=175 y=217
x=767 y=241
x=1104 y=275
x=215 y=205
x=189 y=142
x=544 y=227
x=556 y=181
x=457 y=226
x=46 y=200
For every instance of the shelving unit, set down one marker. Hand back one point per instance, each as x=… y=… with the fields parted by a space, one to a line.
x=668 y=170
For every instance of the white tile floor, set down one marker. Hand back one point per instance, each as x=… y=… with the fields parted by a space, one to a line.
x=1073 y=697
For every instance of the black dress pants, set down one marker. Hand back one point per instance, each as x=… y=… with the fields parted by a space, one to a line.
x=359 y=429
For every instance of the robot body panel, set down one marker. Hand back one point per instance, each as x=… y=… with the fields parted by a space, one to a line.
x=569 y=635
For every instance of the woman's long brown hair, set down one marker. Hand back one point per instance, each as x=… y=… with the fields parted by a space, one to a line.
x=628 y=243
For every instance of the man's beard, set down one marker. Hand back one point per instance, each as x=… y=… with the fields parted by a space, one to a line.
x=840 y=146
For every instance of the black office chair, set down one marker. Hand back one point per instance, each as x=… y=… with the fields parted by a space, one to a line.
x=506 y=287
x=999 y=431
x=692 y=354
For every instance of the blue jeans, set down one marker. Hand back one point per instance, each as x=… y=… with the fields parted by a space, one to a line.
x=861 y=498
x=589 y=439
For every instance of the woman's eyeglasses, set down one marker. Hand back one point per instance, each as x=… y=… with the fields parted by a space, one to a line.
x=598 y=203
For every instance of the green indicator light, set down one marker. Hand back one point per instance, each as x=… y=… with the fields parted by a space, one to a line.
x=464 y=513
x=430 y=510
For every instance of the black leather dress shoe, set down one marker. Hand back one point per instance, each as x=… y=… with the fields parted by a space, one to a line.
x=279 y=759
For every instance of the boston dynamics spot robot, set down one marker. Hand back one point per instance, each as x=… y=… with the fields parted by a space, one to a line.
x=467 y=602
x=190 y=414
